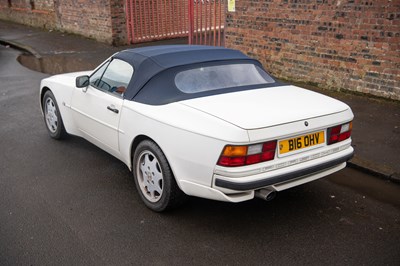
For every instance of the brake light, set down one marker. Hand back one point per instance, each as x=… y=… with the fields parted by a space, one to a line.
x=234 y=155
x=339 y=133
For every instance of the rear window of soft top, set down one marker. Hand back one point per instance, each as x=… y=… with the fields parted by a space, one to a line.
x=220 y=77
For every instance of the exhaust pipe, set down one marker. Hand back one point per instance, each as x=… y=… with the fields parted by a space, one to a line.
x=265 y=194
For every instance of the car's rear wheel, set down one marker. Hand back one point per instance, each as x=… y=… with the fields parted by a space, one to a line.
x=52 y=116
x=154 y=179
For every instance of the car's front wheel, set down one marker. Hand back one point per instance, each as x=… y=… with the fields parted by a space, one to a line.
x=52 y=116
x=154 y=179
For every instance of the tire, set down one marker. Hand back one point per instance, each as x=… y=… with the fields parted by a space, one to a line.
x=52 y=117
x=154 y=179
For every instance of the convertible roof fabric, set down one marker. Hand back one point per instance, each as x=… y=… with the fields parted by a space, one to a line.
x=149 y=61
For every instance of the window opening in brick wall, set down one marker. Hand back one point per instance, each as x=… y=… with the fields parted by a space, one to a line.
x=9 y=3
x=32 y=3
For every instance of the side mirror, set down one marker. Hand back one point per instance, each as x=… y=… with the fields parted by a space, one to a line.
x=82 y=81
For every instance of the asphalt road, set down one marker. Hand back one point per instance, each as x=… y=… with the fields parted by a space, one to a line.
x=70 y=203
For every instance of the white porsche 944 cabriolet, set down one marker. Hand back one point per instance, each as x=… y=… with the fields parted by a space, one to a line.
x=200 y=121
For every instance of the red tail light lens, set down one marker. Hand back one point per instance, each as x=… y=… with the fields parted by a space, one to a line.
x=232 y=161
x=233 y=155
x=339 y=133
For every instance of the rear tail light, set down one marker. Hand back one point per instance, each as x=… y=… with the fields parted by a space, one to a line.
x=233 y=155
x=339 y=133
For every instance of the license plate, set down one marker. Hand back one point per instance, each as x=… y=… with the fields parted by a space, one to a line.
x=301 y=142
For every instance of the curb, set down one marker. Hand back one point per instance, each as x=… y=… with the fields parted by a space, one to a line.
x=21 y=47
x=374 y=169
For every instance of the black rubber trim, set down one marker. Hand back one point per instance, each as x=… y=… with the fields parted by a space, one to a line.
x=280 y=178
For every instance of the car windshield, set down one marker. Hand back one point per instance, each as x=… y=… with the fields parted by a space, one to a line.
x=219 y=77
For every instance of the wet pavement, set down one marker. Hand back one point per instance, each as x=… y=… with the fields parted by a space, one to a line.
x=70 y=203
x=376 y=128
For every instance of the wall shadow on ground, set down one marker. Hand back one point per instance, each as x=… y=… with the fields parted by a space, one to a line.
x=55 y=64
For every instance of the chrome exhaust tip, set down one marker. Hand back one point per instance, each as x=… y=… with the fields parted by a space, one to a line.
x=265 y=194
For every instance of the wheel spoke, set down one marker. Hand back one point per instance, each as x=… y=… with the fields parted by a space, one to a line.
x=150 y=177
x=143 y=169
x=152 y=194
x=157 y=188
x=158 y=179
x=146 y=160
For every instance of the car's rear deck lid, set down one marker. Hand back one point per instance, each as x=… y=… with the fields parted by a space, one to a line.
x=261 y=108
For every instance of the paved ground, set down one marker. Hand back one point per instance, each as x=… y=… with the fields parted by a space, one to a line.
x=69 y=203
x=376 y=131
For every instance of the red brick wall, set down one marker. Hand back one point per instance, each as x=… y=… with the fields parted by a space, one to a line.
x=337 y=44
x=28 y=4
x=118 y=22
x=103 y=20
x=39 y=13
x=88 y=18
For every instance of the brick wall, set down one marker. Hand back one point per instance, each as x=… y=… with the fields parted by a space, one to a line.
x=38 y=13
x=337 y=44
x=103 y=20
x=119 y=33
x=88 y=18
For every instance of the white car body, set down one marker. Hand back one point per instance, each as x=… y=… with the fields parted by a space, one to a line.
x=192 y=134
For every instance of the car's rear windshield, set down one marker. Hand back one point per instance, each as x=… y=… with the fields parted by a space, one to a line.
x=220 y=77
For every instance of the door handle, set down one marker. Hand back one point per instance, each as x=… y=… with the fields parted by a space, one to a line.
x=113 y=109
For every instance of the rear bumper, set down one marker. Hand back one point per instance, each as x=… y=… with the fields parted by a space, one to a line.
x=244 y=186
x=283 y=173
x=240 y=184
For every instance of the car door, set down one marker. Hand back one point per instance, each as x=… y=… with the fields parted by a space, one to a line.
x=97 y=108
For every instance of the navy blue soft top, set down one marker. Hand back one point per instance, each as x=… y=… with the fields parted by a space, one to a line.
x=149 y=61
